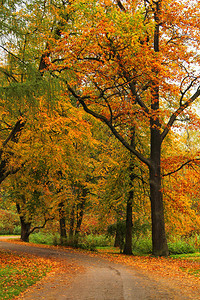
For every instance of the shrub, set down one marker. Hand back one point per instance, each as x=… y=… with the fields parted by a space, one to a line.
x=17 y=230
x=44 y=238
x=90 y=242
x=181 y=247
x=176 y=246
x=143 y=245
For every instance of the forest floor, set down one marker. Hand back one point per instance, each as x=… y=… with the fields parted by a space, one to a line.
x=82 y=275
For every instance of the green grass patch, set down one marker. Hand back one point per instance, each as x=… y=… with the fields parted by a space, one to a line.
x=187 y=256
x=17 y=272
x=193 y=262
x=195 y=272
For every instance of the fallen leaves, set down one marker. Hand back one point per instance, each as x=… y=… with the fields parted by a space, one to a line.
x=20 y=271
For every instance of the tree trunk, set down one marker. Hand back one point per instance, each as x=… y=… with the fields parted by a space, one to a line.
x=159 y=240
x=25 y=230
x=4 y=162
x=80 y=210
x=129 y=222
x=63 y=234
x=25 y=226
x=117 y=235
x=71 y=223
x=129 y=225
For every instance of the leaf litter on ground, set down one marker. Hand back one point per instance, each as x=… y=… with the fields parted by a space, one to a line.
x=179 y=273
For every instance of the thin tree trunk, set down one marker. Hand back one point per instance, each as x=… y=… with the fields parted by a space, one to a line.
x=129 y=222
x=63 y=234
x=117 y=242
x=80 y=210
x=129 y=225
x=71 y=224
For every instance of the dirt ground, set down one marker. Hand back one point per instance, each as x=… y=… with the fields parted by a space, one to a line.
x=91 y=277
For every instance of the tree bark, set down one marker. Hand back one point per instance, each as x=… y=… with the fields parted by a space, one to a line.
x=14 y=137
x=118 y=237
x=129 y=222
x=25 y=230
x=71 y=223
x=129 y=226
x=62 y=221
x=25 y=226
x=80 y=210
x=159 y=240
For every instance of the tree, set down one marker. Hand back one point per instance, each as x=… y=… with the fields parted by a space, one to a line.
x=132 y=64
x=21 y=80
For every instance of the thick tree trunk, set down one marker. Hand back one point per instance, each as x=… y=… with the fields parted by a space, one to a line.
x=25 y=230
x=25 y=226
x=159 y=240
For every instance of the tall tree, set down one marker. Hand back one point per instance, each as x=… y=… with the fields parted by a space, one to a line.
x=132 y=64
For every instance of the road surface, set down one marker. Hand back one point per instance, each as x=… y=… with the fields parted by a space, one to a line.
x=98 y=279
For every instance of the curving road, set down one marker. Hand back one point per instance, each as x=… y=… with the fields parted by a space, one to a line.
x=100 y=280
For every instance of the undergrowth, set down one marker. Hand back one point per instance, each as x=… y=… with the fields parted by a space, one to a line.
x=143 y=245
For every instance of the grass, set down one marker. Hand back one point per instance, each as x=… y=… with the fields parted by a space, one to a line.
x=17 y=272
x=190 y=256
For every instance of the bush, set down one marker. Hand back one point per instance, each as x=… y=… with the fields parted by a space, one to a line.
x=44 y=238
x=177 y=246
x=143 y=246
x=91 y=242
x=17 y=230
x=181 y=247
x=4 y=231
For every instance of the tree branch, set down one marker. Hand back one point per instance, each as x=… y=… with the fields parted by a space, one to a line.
x=120 y=5
x=42 y=226
x=178 y=112
x=4 y=71
x=14 y=134
x=183 y=165
x=4 y=175
x=109 y=124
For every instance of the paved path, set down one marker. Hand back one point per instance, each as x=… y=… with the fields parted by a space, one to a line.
x=100 y=280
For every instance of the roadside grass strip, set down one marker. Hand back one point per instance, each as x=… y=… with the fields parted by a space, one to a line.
x=18 y=272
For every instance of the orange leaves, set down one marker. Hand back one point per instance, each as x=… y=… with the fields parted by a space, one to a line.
x=180 y=188
x=20 y=271
x=108 y=48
